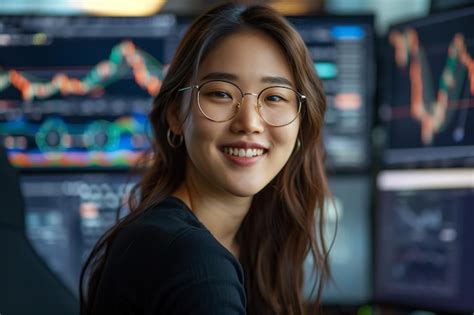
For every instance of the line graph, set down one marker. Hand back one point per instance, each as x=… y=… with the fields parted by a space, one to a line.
x=434 y=109
x=124 y=57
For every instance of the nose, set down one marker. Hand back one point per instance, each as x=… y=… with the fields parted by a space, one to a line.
x=247 y=120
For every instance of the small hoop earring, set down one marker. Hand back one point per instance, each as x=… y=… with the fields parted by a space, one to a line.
x=298 y=145
x=172 y=139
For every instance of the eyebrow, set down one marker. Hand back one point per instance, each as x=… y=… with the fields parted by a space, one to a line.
x=233 y=77
x=220 y=76
x=276 y=80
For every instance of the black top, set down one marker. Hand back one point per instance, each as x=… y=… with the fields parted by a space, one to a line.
x=167 y=262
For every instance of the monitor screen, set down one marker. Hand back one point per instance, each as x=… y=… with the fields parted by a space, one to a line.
x=75 y=92
x=71 y=211
x=428 y=94
x=424 y=239
x=348 y=228
x=65 y=214
x=343 y=53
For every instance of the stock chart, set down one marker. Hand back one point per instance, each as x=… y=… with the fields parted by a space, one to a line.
x=429 y=101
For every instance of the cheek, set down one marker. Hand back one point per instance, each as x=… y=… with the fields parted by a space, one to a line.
x=286 y=136
x=197 y=127
x=284 y=142
x=198 y=131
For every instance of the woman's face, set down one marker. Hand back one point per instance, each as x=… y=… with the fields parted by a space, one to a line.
x=253 y=61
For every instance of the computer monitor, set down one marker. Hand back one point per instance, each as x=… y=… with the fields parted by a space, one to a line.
x=65 y=214
x=348 y=229
x=428 y=97
x=342 y=48
x=424 y=249
x=75 y=91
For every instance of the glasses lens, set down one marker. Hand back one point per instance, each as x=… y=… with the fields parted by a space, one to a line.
x=218 y=100
x=279 y=106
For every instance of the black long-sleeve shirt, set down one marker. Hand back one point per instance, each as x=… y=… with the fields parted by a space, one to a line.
x=167 y=262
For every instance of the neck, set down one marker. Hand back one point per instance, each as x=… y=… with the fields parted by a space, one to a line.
x=222 y=215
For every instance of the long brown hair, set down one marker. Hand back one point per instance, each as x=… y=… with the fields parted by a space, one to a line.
x=285 y=221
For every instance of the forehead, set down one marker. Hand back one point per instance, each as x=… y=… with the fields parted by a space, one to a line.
x=249 y=56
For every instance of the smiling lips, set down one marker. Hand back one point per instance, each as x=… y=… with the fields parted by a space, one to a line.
x=244 y=154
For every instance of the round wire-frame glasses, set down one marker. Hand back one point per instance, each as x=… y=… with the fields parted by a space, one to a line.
x=300 y=97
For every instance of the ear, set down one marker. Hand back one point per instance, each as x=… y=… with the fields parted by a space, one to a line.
x=173 y=119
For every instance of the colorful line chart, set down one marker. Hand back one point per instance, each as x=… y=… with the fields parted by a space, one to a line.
x=434 y=106
x=63 y=107
x=125 y=56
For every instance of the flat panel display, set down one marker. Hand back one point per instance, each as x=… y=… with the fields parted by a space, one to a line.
x=66 y=214
x=428 y=105
x=75 y=92
x=343 y=53
x=348 y=228
x=424 y=239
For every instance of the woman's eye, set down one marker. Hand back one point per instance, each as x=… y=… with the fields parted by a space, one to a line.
x=220 y=94
x=274 y=98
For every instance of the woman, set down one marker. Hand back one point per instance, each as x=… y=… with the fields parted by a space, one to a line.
x=225 y=216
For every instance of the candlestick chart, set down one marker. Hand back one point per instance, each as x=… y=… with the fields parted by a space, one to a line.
x=434 y=110
x=429 y=106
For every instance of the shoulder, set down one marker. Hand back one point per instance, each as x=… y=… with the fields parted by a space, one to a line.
x=201 y=277
x=177 y=269
x=170 y=237
x=199 y=252
x=155 y=230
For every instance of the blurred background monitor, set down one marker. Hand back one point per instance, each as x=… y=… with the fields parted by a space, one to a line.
x=424 y=249
x=428 y=97
x=67 y=213
x=350 y=214
x=342 y=48
x=75 y=91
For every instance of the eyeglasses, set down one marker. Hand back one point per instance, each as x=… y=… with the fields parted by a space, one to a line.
x=220 y=101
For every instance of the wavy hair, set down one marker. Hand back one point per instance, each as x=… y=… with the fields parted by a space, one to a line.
x=285 y=221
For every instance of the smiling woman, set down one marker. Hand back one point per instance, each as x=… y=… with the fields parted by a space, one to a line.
x=226 y=215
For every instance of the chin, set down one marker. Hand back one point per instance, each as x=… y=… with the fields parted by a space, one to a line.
x=245 y=190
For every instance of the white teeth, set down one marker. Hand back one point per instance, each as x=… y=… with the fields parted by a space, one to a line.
x=240 y=152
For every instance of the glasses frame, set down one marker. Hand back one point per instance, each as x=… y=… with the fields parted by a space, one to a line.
x=300 y=96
